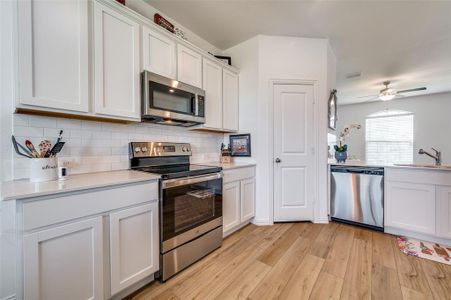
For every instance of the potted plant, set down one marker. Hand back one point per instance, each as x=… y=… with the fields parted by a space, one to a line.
x=341 y=150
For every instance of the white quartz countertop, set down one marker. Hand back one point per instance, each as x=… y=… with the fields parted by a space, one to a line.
x=233 y=165
x=22 y=189
x=359 y=163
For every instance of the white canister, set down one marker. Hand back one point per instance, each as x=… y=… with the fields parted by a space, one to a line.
x=43 y=169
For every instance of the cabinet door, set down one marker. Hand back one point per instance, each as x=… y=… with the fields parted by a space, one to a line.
x=116 y=64
x=230 y=100
x=212 y=83
x=231 y=205
x=247 y=199
x=444 y=212
x=53 y=54
x=158 y=53
x=189 y=66
x=65 y=262
x=410 y=206
x=134 y=245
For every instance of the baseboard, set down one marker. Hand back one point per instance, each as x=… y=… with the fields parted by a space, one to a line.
x=416 y=235
x=262 y=222
x=321 y=220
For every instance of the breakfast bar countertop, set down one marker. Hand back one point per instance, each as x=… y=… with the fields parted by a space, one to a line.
x=24 y=189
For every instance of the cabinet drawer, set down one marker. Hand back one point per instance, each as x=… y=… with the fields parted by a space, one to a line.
x=43 y=212
x=238 y=174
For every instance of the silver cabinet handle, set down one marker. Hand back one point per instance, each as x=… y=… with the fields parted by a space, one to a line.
x=278 y=161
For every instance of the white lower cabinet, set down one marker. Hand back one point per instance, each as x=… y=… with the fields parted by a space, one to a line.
x=247 y=199
x=88 y=245
x=410 y=206
x=238 y=198
x=133 y=245
x=65 y=262
x=418 y=203
x=231 y=205
x=444 y=211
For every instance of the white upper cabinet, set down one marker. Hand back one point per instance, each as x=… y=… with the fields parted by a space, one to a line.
x=212 y=83
x=53 y=52
x=158 y=53
x=189 y=66
x=230 y=100
x=116 y=64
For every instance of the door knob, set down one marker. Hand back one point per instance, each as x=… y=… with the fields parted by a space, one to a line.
x=278 y=161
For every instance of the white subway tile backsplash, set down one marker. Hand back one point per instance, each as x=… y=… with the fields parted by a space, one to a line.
x=41 y=121
x=28 y=132
x=97 y=146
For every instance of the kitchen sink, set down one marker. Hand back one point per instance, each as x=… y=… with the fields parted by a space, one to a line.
x=432 y=166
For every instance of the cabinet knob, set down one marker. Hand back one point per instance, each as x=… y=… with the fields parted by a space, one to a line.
x=278 y=160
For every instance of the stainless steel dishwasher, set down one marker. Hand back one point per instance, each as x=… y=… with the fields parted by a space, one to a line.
x=357 y=196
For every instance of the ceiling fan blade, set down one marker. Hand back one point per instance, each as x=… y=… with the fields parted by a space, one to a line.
x=413 y=90
x=367 y=96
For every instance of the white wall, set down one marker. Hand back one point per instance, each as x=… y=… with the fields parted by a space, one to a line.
x=432 y=123
x=282 y=58
x=149 y=11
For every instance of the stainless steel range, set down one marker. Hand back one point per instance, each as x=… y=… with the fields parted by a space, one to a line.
x=190 y=203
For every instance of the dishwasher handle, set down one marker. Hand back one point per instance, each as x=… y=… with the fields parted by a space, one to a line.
x=358 y=170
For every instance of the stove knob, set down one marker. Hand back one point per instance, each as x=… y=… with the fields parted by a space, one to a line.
x=137 y=149
x=144 y=149
x=184 y=149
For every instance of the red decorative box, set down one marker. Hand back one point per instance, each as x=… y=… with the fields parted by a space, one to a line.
x=158 y=19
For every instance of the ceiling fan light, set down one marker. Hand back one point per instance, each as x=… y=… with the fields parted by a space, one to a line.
x=386 y=97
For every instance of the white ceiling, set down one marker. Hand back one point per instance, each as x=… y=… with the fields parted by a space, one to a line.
x=406 y=42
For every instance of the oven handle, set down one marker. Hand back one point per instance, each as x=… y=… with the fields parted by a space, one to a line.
x=190 y=180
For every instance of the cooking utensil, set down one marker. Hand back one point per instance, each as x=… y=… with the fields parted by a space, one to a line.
x=44 y=147
x=30 y=147
x=60 y=137
x=16 y=147
x=56 y=149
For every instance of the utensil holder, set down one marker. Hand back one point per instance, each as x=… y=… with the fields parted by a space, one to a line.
x=43 y=169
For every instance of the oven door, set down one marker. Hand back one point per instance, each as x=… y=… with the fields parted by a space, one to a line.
x=190 y=207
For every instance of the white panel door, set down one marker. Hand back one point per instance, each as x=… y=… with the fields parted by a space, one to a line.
x=230 y=100
x=231 y=205
x=410 y=206
x=134 y=245
x=294 y=158
x=159 y=54
x=189 y=66
x=212 y=83
x=53 y=54
x=444 y=211
x=65 y=262
x=247 y=199
x=116 y=64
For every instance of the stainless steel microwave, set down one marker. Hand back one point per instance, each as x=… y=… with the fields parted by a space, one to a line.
x=171 y=102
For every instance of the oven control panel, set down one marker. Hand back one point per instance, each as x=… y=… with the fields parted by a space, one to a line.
x=157 y=149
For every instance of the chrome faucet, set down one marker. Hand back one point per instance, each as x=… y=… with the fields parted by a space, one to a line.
x=437 y=156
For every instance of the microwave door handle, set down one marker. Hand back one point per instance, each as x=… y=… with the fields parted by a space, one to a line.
x=196 y=105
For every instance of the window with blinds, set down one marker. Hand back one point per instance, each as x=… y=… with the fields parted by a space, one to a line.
x=389 y=137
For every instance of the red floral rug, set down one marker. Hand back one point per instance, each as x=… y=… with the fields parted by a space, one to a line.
x=427 y=250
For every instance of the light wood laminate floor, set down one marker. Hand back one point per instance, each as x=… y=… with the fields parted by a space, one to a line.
x=306 y=261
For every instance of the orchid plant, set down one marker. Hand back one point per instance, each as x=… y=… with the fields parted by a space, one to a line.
x=342 y=147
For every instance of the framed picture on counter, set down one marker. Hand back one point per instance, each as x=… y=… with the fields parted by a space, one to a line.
x=240 y=144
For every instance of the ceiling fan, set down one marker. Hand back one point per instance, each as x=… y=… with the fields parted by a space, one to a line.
x=388 y=93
